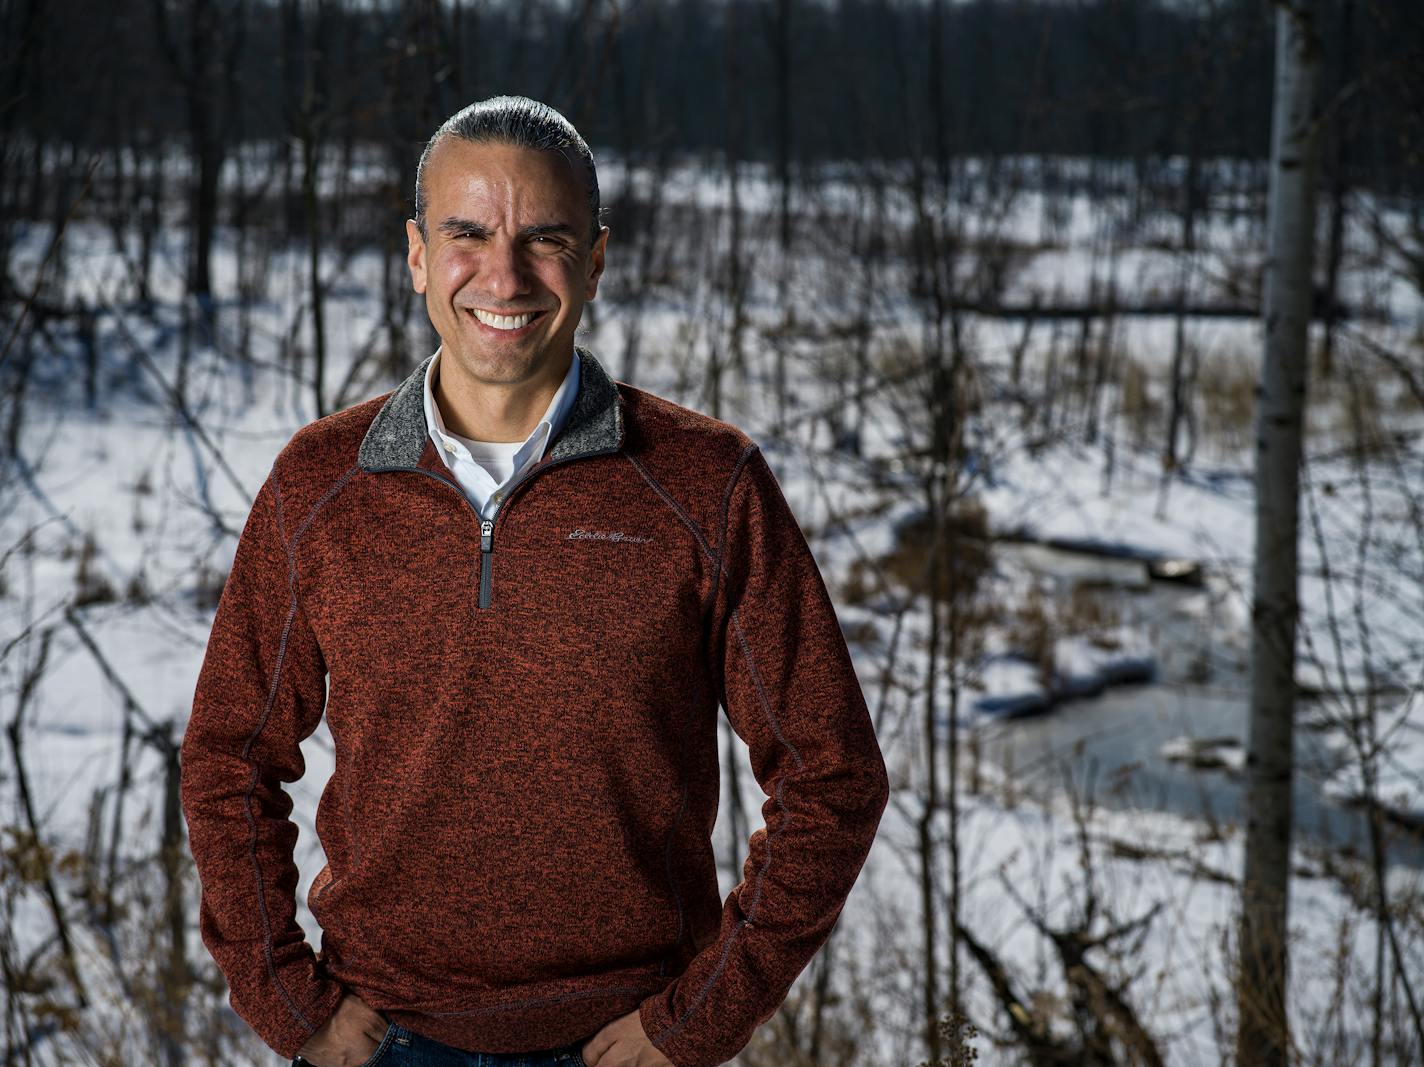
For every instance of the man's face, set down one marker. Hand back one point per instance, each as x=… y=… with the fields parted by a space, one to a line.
x=508 y=239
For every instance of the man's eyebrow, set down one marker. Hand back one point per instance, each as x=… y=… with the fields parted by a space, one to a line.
x=549 y=229
x=452 y=227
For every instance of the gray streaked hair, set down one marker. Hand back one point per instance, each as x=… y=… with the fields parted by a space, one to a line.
x=523 y=123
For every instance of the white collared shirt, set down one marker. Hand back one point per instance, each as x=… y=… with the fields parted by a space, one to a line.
x=486 y=468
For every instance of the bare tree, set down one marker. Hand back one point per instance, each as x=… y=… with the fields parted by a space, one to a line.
x=199 y=65
x=308 y=114
x=1340 y=128
x=1263 y=1037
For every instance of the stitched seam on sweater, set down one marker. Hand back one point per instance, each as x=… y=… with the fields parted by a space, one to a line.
x=293 y=578
x=677 y=1024
x=718 y=558
x=706 y=989
x=289 y=548
x=668 y=864
x=764 y=700
x=336 y=487
x=687 y=519
x=711 y=604
x=726 y=511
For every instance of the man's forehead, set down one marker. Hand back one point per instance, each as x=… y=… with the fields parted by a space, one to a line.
x=495 y=165
x=493 y=184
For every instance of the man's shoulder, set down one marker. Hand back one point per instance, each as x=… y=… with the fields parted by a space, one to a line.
x=693 y=457
x=324 y=451
x=679 y=439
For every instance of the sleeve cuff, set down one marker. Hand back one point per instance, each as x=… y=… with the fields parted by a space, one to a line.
x=288 y=1039
x=674 y=1045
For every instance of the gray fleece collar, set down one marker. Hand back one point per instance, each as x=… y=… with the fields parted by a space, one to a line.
x=396 y=438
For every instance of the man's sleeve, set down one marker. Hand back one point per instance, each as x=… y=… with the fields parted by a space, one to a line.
x=261 y=690
x=791 y=693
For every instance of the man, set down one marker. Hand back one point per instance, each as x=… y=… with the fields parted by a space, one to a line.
x=520 y=629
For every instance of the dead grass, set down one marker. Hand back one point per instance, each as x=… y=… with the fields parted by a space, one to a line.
x=964 y=552
x=1032 y=632
x=1043 y=617
x=1142 y=412
x=1088 y=611
x=1226 y=399
x=1352 y=409
x=1356 y=411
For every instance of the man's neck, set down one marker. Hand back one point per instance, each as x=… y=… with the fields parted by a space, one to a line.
x=482 y=411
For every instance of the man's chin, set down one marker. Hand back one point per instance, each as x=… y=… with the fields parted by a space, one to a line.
x=499 y=361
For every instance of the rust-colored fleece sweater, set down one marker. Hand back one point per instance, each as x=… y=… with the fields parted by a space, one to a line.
x=525 y=720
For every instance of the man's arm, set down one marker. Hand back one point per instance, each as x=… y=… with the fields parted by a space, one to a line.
x=791 y=693
x=261 y=690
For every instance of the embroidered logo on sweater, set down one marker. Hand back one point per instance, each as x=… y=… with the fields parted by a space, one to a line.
x=580 y=534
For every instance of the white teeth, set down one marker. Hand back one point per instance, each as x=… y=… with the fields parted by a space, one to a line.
x=503 y=322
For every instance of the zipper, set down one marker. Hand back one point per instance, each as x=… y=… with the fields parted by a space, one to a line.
x=486 y=545
x=487 y=526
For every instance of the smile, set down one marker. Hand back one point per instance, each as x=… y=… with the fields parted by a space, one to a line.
x=504 y=323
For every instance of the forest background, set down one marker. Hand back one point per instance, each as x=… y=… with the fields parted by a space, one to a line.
x=990 y=283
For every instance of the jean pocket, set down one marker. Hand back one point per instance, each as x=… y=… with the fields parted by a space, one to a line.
x=384 y=1047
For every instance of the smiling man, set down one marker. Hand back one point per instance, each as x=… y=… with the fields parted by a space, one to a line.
x=506 y=247
x=520 y=591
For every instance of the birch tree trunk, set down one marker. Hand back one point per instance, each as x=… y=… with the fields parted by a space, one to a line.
x=1263 y=1037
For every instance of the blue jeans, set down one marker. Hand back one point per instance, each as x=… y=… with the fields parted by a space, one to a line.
x=405 y=1048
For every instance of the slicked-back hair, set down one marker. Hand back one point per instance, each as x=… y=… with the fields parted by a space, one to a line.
x=520 y=122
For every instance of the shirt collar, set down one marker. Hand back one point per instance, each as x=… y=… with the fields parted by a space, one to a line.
x=544 y=431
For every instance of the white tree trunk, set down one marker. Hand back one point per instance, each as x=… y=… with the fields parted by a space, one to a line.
x=1263 y=1038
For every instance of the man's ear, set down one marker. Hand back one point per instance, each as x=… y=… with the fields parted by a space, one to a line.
x=415 y=256
x=595 y=265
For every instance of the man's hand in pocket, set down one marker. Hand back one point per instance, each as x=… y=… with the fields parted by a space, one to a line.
x=623 y=1043
x=349 y=1038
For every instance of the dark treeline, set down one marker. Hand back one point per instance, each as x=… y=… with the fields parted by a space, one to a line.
x=300 y=121
x=1119 y=78
x=201 y=207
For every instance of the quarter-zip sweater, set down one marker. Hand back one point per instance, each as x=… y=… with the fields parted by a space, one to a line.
x=524 y=712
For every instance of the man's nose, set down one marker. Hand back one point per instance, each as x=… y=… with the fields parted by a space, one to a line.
x=503 y=272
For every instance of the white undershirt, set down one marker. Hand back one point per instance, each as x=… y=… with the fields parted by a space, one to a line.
x=485 y=468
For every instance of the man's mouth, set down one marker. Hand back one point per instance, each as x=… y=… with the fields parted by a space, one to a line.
x=508 y=324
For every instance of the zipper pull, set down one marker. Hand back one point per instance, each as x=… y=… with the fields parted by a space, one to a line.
x=486 y=543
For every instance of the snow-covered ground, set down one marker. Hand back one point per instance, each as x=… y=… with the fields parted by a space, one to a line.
x=146 y=490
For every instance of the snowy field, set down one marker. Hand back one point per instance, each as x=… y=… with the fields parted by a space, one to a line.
x=1042 y=843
